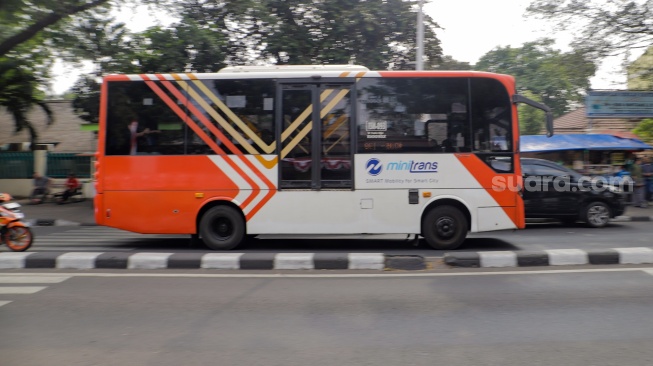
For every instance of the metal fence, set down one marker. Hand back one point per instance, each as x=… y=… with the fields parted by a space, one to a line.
x=20 y=165
x=16 y=165
x=62 y=164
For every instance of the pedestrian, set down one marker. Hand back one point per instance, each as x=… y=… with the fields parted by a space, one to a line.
x=72 y=186
x=647 y=172
x=638 y=184
x=41 y=188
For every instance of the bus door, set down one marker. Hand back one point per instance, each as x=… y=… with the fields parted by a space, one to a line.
x=315 y=133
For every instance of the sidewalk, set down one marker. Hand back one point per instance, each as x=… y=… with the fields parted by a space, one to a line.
x=82 y=213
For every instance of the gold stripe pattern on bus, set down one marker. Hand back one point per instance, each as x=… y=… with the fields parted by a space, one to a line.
x=248 y=133
x=309 y=126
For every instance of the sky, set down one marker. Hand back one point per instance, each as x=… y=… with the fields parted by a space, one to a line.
x=471 y=28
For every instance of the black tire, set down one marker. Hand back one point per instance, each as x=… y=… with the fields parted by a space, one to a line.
x=222 y=228
x=445 y=228
x=18 y=238
x=596 y=214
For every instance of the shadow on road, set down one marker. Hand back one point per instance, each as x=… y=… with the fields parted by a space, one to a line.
x=397 y=247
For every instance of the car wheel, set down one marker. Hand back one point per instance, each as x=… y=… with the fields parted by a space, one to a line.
x=222 y=228
x=444 y=228
x=596 y=214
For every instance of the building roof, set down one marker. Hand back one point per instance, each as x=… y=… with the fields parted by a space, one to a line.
x=540 y=143
x=572 y=120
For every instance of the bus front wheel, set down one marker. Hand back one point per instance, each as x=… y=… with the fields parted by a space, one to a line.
x=444 y=228
x=222 y=228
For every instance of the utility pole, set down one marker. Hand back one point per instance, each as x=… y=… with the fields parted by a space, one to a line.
x=419 y=63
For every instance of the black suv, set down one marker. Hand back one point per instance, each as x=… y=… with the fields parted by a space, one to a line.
x=556 y=192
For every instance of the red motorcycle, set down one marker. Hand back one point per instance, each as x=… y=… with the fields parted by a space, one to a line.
x=15 y=233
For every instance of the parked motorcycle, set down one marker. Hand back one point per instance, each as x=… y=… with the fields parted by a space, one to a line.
x=14 y=232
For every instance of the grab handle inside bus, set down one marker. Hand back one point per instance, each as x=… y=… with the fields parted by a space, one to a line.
x=549 y=115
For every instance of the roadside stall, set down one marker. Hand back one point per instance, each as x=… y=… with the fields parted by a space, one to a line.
x=590 y=154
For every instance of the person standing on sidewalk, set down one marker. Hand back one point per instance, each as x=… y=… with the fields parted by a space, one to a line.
x=647 y=172
x=639 y=184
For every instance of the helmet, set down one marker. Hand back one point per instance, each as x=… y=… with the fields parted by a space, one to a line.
x=5 y=197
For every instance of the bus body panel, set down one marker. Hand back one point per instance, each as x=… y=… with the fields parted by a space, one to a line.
x=166 y=193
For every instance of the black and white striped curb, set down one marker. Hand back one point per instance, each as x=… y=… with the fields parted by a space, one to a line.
x=237 y=261
x=551 y=257
x=61 y=222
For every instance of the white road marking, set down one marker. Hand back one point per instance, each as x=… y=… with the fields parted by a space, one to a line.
x=4 y=302
x=26 y=279
x=20 y=290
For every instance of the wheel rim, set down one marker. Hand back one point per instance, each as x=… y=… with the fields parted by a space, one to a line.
x=223 y=228
x=598 y=215
x=18 y=238
x=445 y=227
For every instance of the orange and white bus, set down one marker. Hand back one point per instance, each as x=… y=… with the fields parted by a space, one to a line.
x=309 y=150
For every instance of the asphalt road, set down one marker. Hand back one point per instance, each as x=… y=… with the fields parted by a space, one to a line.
x=462 y=318
x=535 y=237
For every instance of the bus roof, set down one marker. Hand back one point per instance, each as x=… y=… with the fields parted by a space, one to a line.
x=293 y=68
x=305 y=71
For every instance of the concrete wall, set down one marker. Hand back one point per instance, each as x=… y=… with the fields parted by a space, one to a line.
x=65 y=130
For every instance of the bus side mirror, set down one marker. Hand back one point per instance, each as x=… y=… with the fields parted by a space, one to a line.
x=549 y=124
x=549 y=115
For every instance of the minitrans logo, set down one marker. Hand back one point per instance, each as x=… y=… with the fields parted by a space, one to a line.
x=374 y=167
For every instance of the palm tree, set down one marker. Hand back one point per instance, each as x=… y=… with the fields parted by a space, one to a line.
x=18 y=93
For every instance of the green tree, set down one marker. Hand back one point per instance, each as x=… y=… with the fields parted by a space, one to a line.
x=23 y=20
x=32 y=33
x=449 y=63
x=601 y=27
x=645 y=130
x=379 y=34
x=18 y=93
x=558 y=79
x=531 y=120
x=182 y=47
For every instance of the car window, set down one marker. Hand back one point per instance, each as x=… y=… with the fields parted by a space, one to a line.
x=528 y=169
x=549 y=171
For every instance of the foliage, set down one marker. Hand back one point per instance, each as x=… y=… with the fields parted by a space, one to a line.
x=448 y=63
x=531 y=120
x=16 y=30
x=558 y=79
x=602 y=27
x=87 y=99
x=183 y=47
x=18 y=93
x=27 y=32
x=379 y=34
x=645 y=130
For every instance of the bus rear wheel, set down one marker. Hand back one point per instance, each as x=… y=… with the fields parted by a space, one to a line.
x=222 y=228
x=444 y=228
